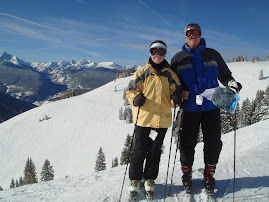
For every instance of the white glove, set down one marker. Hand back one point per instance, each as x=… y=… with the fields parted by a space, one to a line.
x=233 y=86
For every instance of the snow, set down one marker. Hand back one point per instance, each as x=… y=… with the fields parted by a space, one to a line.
x=77 y=127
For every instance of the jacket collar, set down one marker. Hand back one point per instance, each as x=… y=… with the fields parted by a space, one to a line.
x=153 y=70
x=198 y=50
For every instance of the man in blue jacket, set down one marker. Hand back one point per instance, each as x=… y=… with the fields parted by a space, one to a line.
x=199 y=68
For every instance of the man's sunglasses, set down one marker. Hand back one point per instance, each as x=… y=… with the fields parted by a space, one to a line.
x=193 y=32
x=159 y=51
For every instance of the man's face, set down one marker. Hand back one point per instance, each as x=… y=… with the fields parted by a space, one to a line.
x=193 y=41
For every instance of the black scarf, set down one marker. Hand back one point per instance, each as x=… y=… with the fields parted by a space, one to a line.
x=164 y=63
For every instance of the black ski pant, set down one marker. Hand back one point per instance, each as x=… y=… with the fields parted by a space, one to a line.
x=146 y=148
x=211 y=128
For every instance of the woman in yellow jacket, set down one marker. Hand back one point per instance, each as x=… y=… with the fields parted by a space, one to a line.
x=153 y=90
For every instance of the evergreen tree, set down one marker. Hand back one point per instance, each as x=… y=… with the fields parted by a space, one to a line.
x=47 y=172
x=227 y=120
x=265 y=104
x=257 y=109
x=1 y=188
x=115 y=162
x=125 y=154
x=17 y=183
x=128 y=115
x=120 y=114
x=261 y=75
x=100 y=161
x=12 y=184
x=30 y=172
x=246 y=113
x=20 y=181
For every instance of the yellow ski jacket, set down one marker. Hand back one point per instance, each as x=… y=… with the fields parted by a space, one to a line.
x=157 y=87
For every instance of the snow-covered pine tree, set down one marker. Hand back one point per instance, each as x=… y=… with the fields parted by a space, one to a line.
x=30 y=172
x=125 y=154
x=20 y=181
x=12 y=184
x=245 y=113
x=265 y=104
x=129 y=117
x=17 y=183
x=120 y=114
x=126 y=102
x=47 y=172
x=115 y=162
x=261 y=75
x=100 y=163
x=257 y=110
x=226 y=122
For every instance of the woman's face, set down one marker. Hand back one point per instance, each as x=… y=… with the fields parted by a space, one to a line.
x=157 y=58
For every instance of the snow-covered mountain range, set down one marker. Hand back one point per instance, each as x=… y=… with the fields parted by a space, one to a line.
x=39 y=81
x=77 y=127
x=50 y=66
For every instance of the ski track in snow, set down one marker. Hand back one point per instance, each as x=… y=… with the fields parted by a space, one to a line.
x=78 y=126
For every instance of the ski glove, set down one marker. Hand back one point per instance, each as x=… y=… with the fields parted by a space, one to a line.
x=176 y=97
x=139 y=100
x=234 y=86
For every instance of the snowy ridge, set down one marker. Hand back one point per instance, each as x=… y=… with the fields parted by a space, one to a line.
x=78 y=126
x=5 y=57
x=50 y=66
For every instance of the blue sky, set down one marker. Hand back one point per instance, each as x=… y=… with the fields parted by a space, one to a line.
x=122 y=30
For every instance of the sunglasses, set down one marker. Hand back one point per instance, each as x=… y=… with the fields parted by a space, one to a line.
x=159 y=51
x=193 y=32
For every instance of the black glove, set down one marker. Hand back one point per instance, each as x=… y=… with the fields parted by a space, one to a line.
x=176 y=97
x=234 y=86
x=139 y=100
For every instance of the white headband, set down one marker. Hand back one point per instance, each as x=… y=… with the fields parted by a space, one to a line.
x=158 y=45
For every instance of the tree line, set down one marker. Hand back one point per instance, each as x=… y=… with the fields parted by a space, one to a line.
x=245 y=59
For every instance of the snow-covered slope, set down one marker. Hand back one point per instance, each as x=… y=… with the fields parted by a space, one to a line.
x=78 y=126
x=70 y=139
x=251 y=182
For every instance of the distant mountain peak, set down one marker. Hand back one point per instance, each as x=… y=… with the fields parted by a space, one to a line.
x=6 y=57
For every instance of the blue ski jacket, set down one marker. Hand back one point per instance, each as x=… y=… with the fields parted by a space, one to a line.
x=200 y=70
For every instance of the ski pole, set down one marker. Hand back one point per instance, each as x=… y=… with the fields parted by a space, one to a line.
x=170 y=152
x=129 y=153
x=169 y=192
x=235 y=125
x=180 y=115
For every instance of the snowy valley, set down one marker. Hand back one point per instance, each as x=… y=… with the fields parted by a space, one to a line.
x=77 y=127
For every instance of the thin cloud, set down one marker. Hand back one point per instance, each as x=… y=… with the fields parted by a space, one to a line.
x=80 y=1
x=38 y=24
x=154 y=12
x=128 y=19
